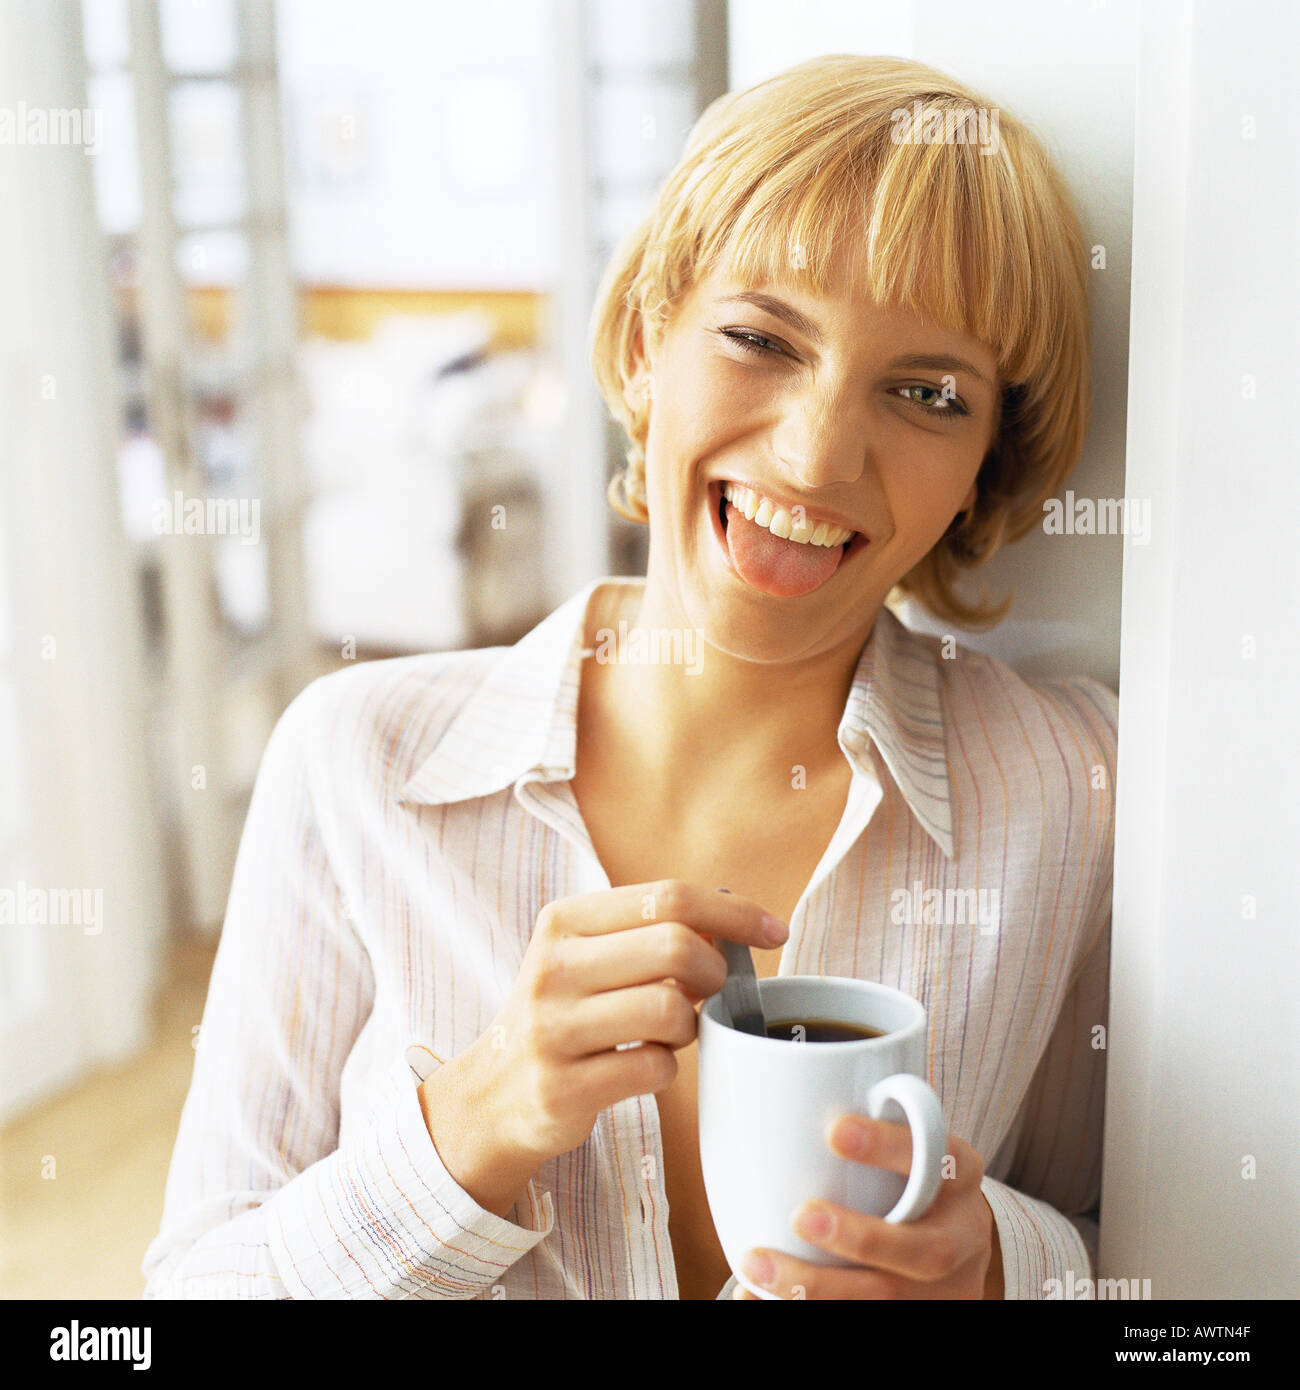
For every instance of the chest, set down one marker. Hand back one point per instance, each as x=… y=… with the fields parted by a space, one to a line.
x=762 y=847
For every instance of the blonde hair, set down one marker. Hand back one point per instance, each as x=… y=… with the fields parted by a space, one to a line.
x=774 y=180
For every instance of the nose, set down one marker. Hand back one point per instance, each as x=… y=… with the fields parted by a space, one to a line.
x=822 y=437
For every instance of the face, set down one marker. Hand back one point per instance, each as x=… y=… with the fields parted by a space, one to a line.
x=807 y=401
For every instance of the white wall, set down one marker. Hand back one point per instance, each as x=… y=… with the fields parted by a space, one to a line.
x=1205 y=1047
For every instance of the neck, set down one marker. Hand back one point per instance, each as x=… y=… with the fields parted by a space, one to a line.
x=683 y=712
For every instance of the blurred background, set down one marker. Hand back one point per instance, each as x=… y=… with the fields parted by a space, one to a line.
x=293 y=308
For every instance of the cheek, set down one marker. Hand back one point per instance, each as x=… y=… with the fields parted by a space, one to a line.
x=925 y=487
x=695 y=411
x=927 y=474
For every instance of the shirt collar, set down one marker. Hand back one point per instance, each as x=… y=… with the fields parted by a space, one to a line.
x=522 y=718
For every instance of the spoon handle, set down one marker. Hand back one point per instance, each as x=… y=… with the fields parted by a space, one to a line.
x=740 y=992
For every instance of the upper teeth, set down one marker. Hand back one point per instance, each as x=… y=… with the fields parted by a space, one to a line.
x=780 y=521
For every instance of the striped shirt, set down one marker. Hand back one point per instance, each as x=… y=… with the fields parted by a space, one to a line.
x=412 y=816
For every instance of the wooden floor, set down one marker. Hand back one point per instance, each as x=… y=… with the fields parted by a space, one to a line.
x=83 y=1232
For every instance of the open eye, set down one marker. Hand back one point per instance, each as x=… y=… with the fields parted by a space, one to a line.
x=947 y=406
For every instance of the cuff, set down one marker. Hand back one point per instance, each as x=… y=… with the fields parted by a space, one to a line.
x=385 y=1219
x=1043 y=1253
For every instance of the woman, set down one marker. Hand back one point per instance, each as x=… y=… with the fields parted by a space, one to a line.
x=849 y=347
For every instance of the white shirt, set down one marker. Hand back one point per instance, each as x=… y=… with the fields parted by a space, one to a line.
x=411 y=818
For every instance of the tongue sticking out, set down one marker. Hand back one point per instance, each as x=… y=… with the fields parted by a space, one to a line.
x=783 y=568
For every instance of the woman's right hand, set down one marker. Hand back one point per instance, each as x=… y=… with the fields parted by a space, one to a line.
x=622 y=965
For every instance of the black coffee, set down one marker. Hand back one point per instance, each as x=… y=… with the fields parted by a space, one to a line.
x=819 y=1030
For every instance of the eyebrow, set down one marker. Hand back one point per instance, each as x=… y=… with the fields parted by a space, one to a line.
x=801 y=323
x=779 y=309
x=940 y=362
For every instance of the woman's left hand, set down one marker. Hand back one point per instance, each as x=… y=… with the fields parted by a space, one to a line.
x=950 y=1252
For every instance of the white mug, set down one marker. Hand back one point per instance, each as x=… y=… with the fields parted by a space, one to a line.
x=765 y=1105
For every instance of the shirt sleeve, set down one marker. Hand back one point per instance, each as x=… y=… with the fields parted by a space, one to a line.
x=1046 y=1208
x=1046 y=1200
x=262 y=1200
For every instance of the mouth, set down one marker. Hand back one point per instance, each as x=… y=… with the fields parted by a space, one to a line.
x=779 y=551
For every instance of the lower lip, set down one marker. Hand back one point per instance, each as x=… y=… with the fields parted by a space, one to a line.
x=714 y=493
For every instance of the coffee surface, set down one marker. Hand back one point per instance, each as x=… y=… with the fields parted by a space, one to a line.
x=819 y=1030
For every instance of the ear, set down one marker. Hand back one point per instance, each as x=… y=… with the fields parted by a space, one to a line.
x=638 y=384
x=634 y=392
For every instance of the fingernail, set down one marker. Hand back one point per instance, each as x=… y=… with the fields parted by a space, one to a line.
x=852 y=1135
x=813 y=1223
x=760 y=1269
x=774 y=929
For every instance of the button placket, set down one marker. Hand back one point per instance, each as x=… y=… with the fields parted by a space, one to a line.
x=552 y=802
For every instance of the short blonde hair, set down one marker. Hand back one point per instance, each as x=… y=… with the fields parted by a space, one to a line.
x=776 y=179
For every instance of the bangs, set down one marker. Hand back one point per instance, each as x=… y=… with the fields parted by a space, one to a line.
x=937 y=229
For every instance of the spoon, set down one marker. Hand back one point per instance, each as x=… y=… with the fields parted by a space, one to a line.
x=740 y=992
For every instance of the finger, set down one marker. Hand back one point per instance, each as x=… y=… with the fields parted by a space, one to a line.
x=879 y=1143
x=791 y=1278
x=884 y=1144
x=822 y=1283
x=667 y=900
x=597 y=1082
x=925 y=1251
x=663 y=951
x=644 y=1013
x=963 y=1167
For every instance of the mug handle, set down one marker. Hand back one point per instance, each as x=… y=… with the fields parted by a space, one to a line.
x=929 y=1139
